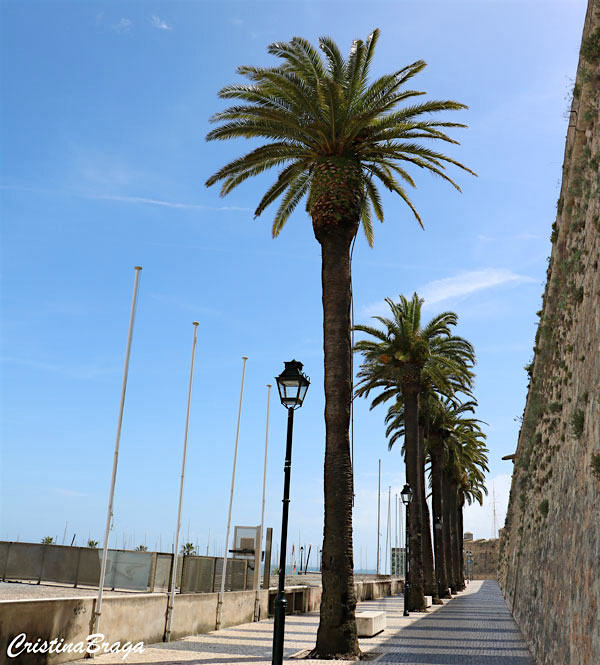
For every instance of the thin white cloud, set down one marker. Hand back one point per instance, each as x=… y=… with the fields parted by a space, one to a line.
x=67 y=492
x=460 y=285
x=160 y=24
x=166 y=204
x=127 y=199
x=468 y=282
x=124 y=25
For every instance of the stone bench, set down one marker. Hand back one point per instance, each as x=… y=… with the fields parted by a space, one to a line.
x=370 y=623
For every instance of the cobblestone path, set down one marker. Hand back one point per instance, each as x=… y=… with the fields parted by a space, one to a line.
x=474 y=628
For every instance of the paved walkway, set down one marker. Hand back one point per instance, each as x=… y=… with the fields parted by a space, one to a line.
x=474 y=628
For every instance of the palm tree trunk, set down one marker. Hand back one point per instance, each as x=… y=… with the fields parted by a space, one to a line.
x=461 y=557
x=454 y=529
x=414 y=477
x=436 y=453
x=430 y=586
x=337 y=635
x=447 y=531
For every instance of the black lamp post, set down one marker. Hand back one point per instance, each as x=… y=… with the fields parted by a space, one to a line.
x=292 y=385
x=438 y=546
x=469 y=566
x=407 y=495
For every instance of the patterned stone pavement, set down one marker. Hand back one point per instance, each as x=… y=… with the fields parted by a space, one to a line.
x=474 y=628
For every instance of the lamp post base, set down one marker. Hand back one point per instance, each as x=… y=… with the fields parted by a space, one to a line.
x=280 y=607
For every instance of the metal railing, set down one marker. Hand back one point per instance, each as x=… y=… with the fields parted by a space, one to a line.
x=126 y=569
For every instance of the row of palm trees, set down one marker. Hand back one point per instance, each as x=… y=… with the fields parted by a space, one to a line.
x=426 y=373
x=334 y=135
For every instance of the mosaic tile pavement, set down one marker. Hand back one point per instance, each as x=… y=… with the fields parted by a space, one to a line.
x=474 y=628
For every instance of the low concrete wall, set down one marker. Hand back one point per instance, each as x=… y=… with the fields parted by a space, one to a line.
x=132 y=618
x=141 y=617
x=308 y=598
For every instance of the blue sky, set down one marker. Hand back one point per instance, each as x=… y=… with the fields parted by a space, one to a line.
x=105 y=110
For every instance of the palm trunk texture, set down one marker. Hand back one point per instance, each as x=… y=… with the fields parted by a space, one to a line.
x=414 y=477
x=430 y=586
x=438 y=519
x=447 y=531
x=335 y=214
x=455 y=535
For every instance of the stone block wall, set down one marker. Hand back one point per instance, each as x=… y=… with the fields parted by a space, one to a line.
x=549 y=557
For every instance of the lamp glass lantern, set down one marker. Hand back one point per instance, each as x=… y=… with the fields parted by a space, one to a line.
x=406 y=494
x=292 y=384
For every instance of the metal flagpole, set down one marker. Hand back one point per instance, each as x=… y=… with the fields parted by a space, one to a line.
x=237 y=436
x=388 y=533
x=396 y=538
x=262 y=519
x=378 y=516
x=111 y=495
x=185 y=440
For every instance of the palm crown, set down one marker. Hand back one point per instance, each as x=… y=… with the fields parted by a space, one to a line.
x=406 y=351
x=315 y=112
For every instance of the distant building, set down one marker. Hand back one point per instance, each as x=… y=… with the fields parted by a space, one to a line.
x=398 y=561
x=468 y=536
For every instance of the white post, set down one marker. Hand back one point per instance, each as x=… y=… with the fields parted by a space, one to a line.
x=262 y=518
x=378 y=516
x=396 y=559
x=224 y=572
x=111 y=495
x=185 y=440
x=388 y=533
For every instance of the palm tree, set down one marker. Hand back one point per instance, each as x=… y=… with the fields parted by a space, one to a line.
x=188 y=549
x=405 y=358
x=332 y=135
x=141 y=548
x=395 y=431
x=47 y=540
x=93 y=544
x=445 y=417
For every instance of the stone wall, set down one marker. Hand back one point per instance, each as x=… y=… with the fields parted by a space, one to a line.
x=549 y=560
x=485 y=558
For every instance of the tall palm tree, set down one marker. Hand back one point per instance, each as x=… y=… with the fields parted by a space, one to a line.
x=405 y=357
x=333 y=135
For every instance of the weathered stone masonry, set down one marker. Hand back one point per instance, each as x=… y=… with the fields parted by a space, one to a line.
x=549 y=559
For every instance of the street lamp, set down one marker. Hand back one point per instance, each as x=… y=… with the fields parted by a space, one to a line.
x=438 y=546
x=469 y=566
x=406 y=495
x=292 y=385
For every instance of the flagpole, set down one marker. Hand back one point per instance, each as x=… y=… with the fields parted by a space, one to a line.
x=378 y=516
x=257 y=560
x=237 y=436
x=98 y=610
x=185 y=440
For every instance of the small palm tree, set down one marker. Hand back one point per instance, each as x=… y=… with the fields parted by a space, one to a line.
x=333 y=135
x=141 y=548
x=47 y=540
x=93 y=544
x=188 y=549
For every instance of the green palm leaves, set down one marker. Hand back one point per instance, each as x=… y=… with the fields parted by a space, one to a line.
x=311 y=109
x=404 y=353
